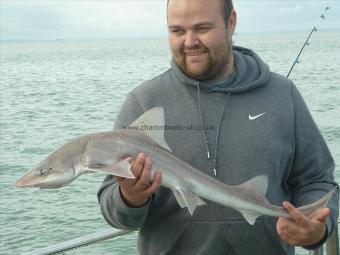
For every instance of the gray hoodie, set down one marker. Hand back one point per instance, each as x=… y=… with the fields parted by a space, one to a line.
x=264 y=128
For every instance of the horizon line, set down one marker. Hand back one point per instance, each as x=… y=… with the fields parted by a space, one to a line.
x=61 y=39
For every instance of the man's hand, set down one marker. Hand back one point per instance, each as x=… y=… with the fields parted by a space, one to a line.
x=136 y=192
x=301 y=230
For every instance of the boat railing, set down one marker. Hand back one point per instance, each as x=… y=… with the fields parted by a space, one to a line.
x=79 y=242
x=332 y=244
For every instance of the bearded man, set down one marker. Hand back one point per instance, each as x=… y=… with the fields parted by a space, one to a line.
x=261 y=125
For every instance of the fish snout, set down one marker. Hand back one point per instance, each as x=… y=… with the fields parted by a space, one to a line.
x=28 y=180
x=21 y=183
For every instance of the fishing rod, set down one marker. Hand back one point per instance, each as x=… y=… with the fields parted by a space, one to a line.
x=322 y=17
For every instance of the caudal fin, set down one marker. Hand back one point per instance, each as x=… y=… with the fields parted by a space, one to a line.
x=321 y=203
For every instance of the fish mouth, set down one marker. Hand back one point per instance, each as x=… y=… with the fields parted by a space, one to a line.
x=23 y=183
x=31 y=180
x=26 y=184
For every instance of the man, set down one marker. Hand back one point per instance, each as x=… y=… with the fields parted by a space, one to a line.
x=261 y=126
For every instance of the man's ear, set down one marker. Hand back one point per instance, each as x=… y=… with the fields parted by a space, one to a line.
x=232 y=22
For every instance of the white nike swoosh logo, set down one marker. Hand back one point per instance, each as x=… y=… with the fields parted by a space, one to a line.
x=256 y=116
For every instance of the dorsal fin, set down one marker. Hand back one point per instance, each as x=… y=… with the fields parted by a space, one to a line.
x=259 y=184
x=152 y=123
x=258 y=187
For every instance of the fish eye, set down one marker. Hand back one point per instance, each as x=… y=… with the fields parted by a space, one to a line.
x=43 y=171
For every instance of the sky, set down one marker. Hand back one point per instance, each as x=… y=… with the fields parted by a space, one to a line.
x=106 y=19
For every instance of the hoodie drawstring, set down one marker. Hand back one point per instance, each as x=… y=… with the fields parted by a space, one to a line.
x=218 y=127
x=201 y=120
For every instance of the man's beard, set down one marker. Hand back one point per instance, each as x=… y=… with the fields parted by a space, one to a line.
x=214 y=67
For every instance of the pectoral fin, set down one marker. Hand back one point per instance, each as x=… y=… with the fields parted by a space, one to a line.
x=121 y=168
x=187 y=199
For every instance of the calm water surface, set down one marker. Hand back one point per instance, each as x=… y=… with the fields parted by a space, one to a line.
x=54 y=91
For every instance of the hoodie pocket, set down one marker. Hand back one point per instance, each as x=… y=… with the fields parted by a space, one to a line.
x=235 y=237
x=203 y=238
x=158 y=239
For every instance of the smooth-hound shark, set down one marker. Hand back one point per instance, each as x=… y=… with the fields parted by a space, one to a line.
x=108 y=152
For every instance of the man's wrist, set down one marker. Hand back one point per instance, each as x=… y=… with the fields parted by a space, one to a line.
x=129 y=203
x=319 y=243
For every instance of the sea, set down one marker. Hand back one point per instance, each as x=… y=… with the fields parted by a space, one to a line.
x=53 y=91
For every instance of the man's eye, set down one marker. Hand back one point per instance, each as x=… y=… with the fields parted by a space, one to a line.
x=177 y=31
x=202 y=29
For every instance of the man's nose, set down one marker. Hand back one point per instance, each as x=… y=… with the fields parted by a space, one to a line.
x=191 y=40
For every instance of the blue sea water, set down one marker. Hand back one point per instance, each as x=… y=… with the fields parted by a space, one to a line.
x=53 y=91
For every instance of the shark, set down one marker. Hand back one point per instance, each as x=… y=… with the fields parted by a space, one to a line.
x=110 y=152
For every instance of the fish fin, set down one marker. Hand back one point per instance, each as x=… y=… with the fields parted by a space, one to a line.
x=179 y=198
x=153 y=118
x=249 y=216
x=188 y=199
x=98 y=156
x=121 y=168
x=309 y=209
x=258 y=184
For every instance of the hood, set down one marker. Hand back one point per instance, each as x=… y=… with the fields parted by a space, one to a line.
x=251 y=72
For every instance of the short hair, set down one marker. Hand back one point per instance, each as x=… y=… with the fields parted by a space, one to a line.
x=227 y=8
